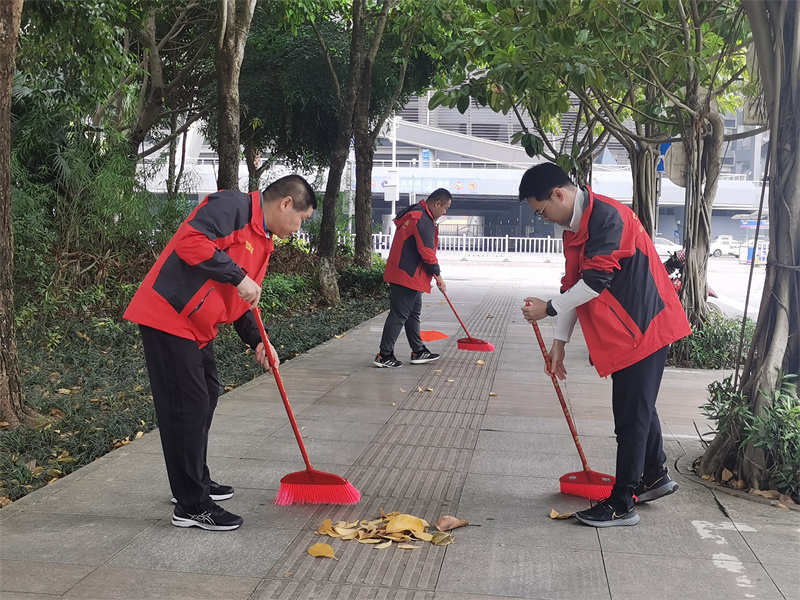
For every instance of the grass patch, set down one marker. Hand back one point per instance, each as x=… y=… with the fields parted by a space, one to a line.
x=89 y=378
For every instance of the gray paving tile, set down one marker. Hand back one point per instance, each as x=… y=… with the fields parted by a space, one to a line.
x=461 y=596
x=26 y=596
x=286 y=589
x=774 y=544
x=120 y=497
x=249 y=551
x=82 y=539
x=786 y=578
x=109 y=583
x=544 y=443
x=721 y=576
x=363 y=564
x=353 y=415
x=331 y=451
x=547 y=466
x=256 y=506
x=502 y=564
x=33 y=577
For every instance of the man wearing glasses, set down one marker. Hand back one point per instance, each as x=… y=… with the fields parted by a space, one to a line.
x=629 y=313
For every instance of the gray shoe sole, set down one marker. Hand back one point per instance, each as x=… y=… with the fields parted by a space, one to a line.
x=181 y=522
x=656 y=493
x=422 y=361
x=628 y=521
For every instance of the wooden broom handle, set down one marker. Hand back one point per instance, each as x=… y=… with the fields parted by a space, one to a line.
x=284 y=397
x=560 y=395
x=464 y=327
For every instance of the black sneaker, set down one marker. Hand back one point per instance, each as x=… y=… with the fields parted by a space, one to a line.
x=664 y=485
x=214 y=519
x=388 y=362
x=423 y=356
x=603 y=514
x=216 y=491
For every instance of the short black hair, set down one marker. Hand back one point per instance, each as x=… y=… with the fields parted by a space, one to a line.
x=440 y=195
x=540 y=180
x=301 y=192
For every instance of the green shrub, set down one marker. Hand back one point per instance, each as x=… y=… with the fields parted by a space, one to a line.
x=715 y=346
x=776 y=430
x=358 y=282
x=282 y=294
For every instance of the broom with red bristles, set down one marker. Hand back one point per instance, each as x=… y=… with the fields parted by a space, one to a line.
x=309 y=486
x=587 y=483
x=469 y=342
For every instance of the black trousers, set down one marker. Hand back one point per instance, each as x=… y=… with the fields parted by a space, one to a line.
x=639 y=445
x=183 y=378
x=405 y=306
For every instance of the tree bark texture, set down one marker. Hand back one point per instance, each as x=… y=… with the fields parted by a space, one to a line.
x=643 y=172
x=775 y=349
x=234 y=21
x=12 y=409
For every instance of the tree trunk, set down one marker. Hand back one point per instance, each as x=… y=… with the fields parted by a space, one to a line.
x=12 y=410
x=775 y=349
x=234 y=25
x=364 y=160
x=643 y=173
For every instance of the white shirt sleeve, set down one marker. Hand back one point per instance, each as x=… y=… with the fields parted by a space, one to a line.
x=565 y=305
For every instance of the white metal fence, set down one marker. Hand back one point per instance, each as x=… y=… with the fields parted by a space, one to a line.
x=468 y=246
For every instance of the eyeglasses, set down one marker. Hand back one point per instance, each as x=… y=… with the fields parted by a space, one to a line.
x=540 y=213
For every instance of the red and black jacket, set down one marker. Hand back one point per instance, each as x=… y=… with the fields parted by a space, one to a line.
x=638 y=310
x=192 y=287
x=412 y=259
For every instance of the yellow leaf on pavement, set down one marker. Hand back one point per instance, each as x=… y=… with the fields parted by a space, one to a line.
x=726 y=475
x=325 y=528
x=321 y=550
x=480 y=362
x=492 y=394
x=370 y=541
x=338 y=337
x=554 y=514
x=385 y=544
x=408 y=547
x=421 y=535
x=405 y=522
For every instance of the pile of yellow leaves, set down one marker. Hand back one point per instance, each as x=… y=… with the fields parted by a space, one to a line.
x=406 y=530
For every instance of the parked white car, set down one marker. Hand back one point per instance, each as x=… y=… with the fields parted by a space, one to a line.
x=724 y=245
x=664 y=247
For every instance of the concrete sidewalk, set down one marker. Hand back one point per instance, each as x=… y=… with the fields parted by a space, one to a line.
x=104 y=532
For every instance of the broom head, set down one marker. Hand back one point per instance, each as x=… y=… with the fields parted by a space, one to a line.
x=587 y=484
x=316 y=487
x=471 y=343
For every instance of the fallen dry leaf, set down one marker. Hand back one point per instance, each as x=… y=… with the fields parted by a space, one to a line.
x=322 y=550
x=402 y=390
x=64 y=391
x=427 y=389
x=442 y=538
x=480 y=362
x=4 y=424
x=5 y=501
x=325 y=528
x=738 y=484
x=408 y=547
x=437 y=370
x=338 y=337
x=707 y=477
x=492 y=394
x=450 y=380
x=382 y=545
x=490 y=316
x=779 y=505
x=421 y=535
x=403 y=522
x=370 y=541
x=449 y=522
x=770 y=494
x=419 y=389
x=786 y=499
x=726 y=475
x=554 y=514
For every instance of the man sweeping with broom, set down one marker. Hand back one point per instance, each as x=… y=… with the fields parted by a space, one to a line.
x=411 y=266
x=209 y=273
x=629 y=313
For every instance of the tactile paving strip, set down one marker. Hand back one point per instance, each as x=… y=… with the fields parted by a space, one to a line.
x=416 y=463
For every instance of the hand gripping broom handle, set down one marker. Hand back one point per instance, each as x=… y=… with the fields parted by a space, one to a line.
x=265 y=341
x=464 y=327
x=563 y=402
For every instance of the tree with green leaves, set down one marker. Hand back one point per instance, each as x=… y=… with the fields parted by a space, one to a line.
x=642 y=72
x=775 y=350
